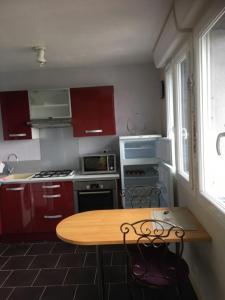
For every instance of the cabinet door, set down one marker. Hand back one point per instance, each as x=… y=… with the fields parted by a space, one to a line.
x=15 y=115
x=93 y=111
x=51 y=202
x=15 y=208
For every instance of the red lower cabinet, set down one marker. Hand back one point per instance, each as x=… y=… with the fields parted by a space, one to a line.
x=51 y=202
x=16 y=212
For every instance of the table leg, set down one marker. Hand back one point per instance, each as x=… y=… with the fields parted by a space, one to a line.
x=100 y=273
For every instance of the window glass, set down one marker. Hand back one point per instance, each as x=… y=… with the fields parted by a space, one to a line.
x=212 y=112
x=169 y=103
x=183 y=111
x=170 y=110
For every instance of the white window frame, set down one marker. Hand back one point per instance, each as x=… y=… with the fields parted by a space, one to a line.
x=185 y=51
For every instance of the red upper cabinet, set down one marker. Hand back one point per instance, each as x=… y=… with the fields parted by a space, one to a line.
x=15 y=205
x=93 y=111
x=15 y=115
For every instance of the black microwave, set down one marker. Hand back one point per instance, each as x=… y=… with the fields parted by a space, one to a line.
x=98 y=163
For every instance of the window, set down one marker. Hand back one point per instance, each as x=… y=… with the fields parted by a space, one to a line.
x=169 y=102
x=182 y=69
x=212 y=112
x=170 y=109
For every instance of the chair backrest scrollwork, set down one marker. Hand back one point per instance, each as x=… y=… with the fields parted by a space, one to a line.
x=152 y=233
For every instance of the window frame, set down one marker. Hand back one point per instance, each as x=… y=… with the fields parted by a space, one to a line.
x=186 y=51
x=202 y=92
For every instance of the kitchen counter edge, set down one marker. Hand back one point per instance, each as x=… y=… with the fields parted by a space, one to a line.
x=77 y=177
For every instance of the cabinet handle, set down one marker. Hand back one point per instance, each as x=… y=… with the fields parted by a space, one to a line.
x=52 y=196
x=52 y=217
x=94 y=131
x=92 y=193
x=15 y=189
x=17 y=134
x=51 y=186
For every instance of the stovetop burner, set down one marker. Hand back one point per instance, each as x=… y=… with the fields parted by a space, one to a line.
x=47 y=174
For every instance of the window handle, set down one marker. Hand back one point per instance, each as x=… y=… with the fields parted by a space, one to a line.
x=219 y=136
x=184 y=133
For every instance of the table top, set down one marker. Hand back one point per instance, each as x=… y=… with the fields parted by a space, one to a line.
x=102 y=227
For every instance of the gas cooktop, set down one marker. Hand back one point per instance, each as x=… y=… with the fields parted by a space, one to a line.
x=53 y=173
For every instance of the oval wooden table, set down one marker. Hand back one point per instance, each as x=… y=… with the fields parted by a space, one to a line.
x=102 y=227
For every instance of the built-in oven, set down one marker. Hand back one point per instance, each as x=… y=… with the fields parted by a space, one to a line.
x=95 y=194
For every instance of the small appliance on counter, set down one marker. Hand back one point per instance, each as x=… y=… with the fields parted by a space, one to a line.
x=98 y=163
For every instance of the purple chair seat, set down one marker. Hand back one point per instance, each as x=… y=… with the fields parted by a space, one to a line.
x=158 y=267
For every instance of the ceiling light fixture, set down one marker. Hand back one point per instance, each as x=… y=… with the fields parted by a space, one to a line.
x=40 y=50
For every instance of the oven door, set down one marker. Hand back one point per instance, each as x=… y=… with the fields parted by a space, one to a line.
x=94 y=199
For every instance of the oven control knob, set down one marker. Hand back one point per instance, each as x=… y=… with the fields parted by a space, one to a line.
x=101 y=186
x=88 y=187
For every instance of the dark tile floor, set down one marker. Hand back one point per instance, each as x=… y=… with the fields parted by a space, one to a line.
x=56 y=270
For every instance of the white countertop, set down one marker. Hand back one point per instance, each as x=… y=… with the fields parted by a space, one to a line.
x=77 y=176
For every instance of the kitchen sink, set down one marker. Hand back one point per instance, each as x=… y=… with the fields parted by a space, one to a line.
x=17 y=176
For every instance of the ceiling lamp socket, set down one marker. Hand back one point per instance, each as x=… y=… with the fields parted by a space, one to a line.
x=40 y=55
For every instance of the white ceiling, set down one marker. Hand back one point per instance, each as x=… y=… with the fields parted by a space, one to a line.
x=79 y=32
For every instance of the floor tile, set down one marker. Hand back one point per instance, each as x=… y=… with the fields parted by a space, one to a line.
x=3 y=247
x=113 y=248
x=4 y=293
x=90 y=260
x=119 y=292
x=80 y=276
x=44 y=261
x=16 y=249
x=3 y=276
x=87 y=292
x=69 y=272
x=114 y=274
x=61 y=248
x=21 y=278
x=18 y=262
x=41 y=248
x=85 y=249
x=50 y=277
x=3 y=260
x=26 y=293
x=59 y=293
x=71 y=260
x=119 y=258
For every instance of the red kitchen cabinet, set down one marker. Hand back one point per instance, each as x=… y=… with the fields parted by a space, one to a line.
x=51 y=202
x=93 y=111
x=15 y=204
x=15 y=115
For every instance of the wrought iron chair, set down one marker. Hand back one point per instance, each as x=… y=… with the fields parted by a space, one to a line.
x=150 y=262
x=141 y=196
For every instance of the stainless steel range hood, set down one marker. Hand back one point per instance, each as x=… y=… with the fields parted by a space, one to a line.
x=50 y=123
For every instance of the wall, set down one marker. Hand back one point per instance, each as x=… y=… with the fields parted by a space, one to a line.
x=137 y=106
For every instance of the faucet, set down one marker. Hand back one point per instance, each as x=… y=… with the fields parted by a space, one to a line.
x=8 y=168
